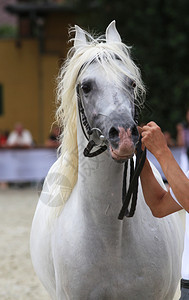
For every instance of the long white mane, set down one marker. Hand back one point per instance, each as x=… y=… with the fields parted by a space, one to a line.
x=104 y=53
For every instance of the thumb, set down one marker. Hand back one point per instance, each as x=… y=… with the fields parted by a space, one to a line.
x=139 y=129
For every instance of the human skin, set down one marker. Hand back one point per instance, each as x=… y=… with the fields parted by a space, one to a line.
x=160 y=201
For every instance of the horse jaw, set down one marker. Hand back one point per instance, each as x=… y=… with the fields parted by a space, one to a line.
x=126 y=147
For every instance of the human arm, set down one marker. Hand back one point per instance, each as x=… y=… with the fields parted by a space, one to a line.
x=154 y=140
x=157 y=198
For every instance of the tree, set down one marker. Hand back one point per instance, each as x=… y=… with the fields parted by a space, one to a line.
x=158 y=31
x=7 y=31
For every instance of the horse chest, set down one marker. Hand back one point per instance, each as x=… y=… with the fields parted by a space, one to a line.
x=93 y=274
x=95 y=267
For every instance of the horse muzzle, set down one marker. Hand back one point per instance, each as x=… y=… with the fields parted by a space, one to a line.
x=122 y=142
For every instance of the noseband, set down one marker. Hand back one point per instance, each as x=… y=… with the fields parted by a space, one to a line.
x=129 y=195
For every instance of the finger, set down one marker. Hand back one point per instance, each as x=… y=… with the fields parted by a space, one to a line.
x=144 y=133
x=145 y=128
x=145 y=139
x=139 y=129
x=152 y=124
x=143 y=145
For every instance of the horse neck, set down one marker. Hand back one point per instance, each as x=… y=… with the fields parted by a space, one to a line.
x=99 y=183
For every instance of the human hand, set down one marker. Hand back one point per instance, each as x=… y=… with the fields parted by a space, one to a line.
x=153 y=139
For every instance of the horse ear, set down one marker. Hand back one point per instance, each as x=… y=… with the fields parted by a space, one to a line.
x=80 y=38
x=112 y=35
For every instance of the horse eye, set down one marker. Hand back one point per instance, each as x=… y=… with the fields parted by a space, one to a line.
x=86 y=87
x=133 y=84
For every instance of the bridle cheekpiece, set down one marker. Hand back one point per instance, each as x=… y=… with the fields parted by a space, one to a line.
x=96 y=139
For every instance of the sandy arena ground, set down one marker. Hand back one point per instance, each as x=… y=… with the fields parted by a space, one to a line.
x=17 y=278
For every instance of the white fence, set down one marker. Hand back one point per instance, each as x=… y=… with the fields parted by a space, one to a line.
x=33 y=164
x=25 y=164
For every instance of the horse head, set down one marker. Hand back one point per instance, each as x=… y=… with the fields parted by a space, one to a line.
x=107 y=87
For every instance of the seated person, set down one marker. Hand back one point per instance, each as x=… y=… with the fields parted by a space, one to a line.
x=20 y=137
x=53 y=139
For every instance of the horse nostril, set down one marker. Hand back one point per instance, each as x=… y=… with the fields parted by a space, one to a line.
x=113 y=133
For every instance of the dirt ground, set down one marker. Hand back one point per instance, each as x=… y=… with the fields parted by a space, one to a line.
x=17 y=278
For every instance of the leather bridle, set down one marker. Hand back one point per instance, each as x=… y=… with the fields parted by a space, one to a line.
x=130 y=194
x=89 y=132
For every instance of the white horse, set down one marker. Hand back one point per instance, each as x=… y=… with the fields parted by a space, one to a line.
x=79 y=248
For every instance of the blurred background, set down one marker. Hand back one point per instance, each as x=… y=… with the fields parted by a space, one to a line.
x=33 y=44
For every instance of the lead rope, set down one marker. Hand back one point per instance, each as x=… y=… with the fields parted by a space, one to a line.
x=133 y=186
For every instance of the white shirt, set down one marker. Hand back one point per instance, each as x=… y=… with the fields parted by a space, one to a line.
x=24 y=139
x=185 y=256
